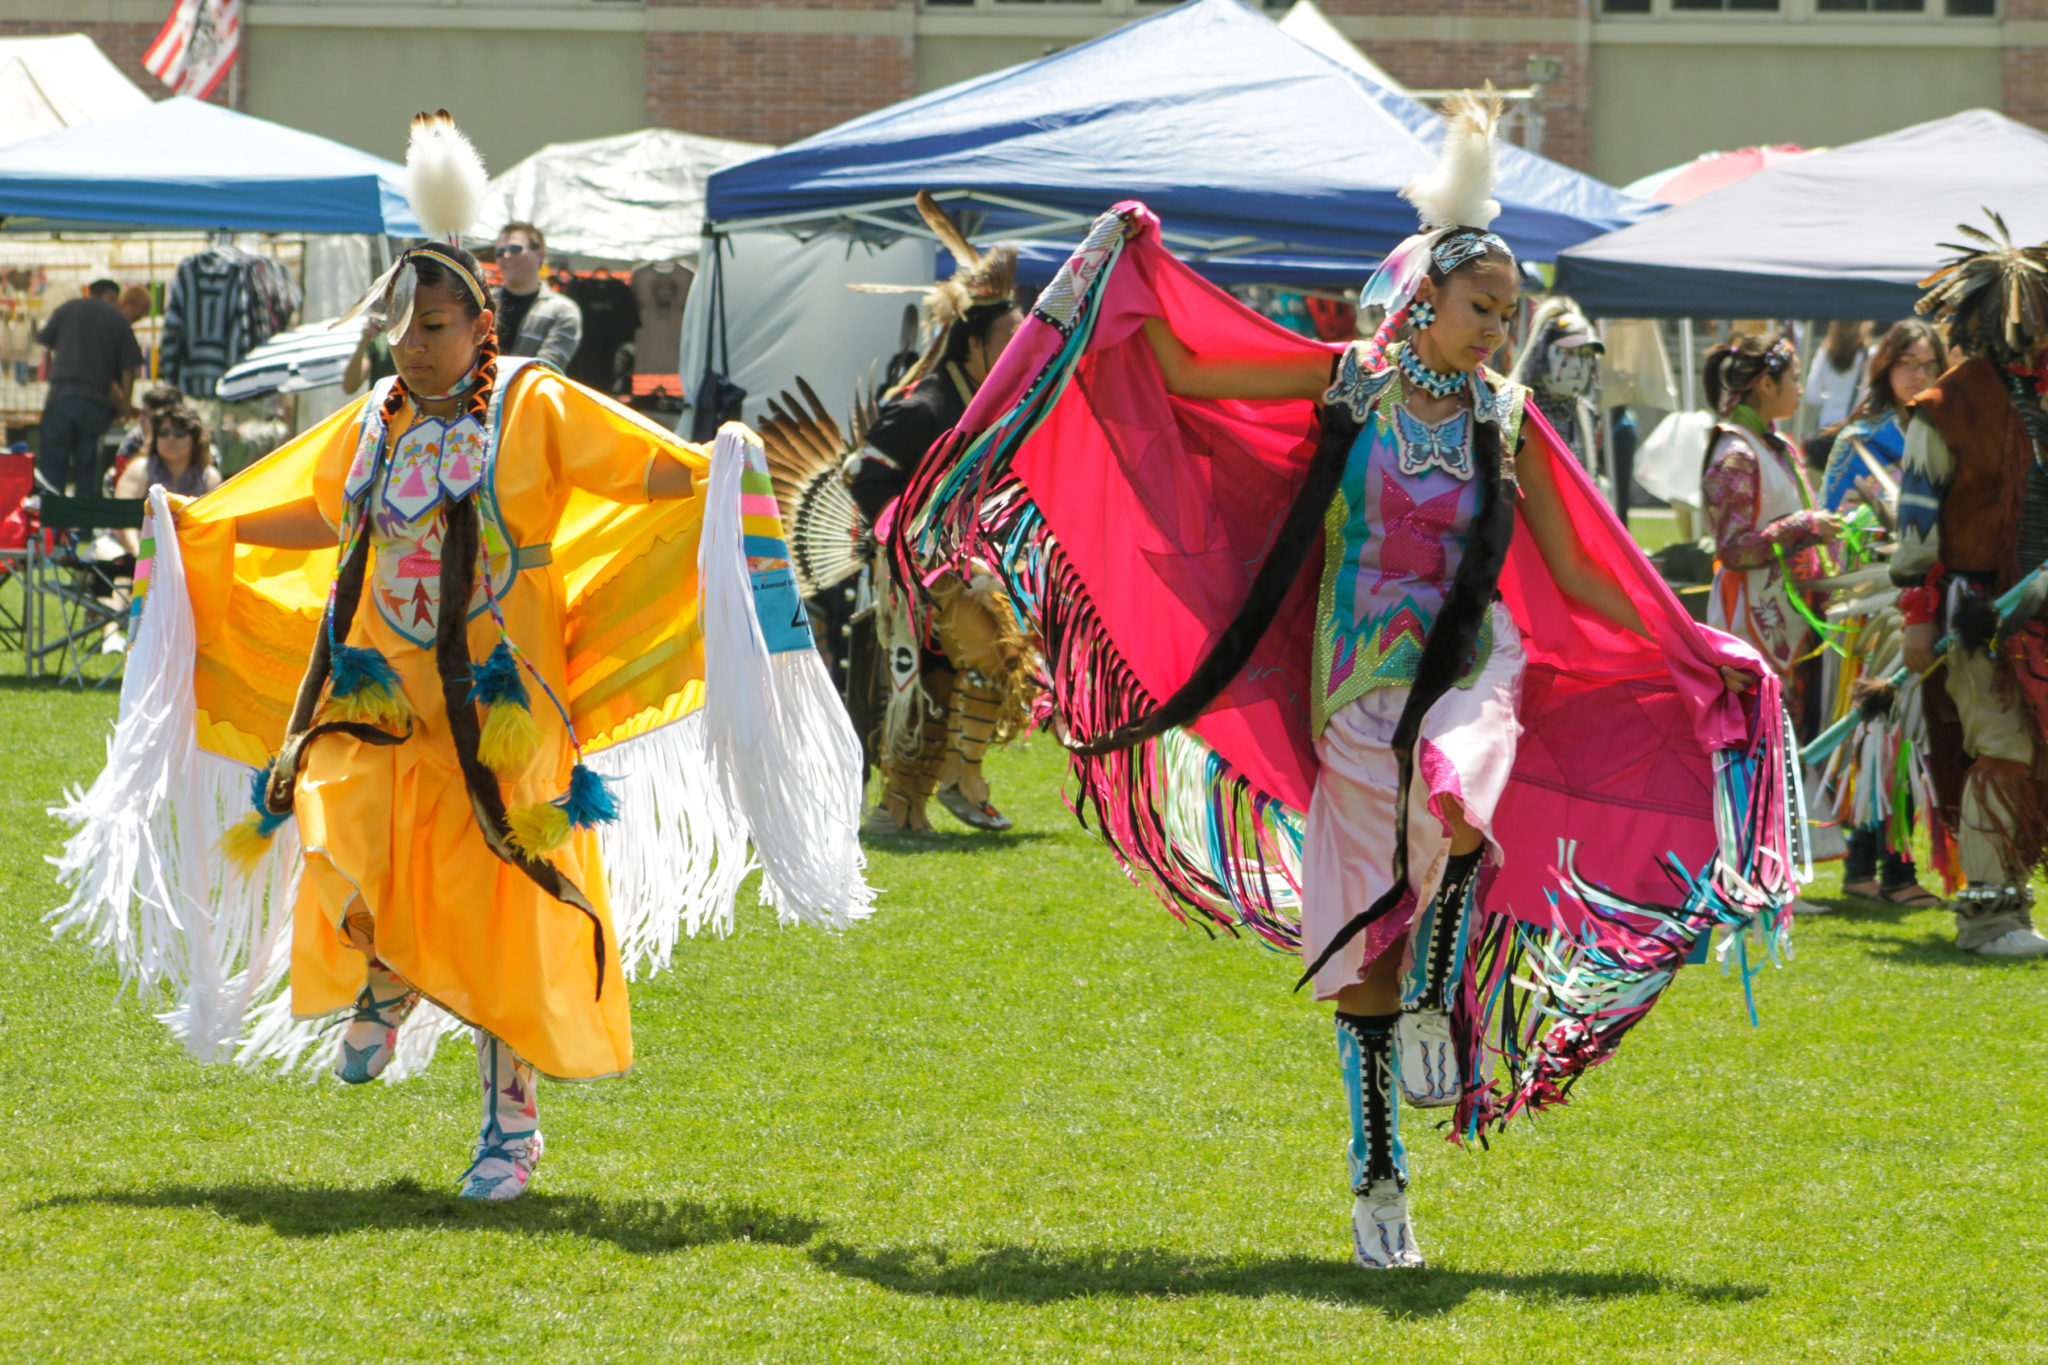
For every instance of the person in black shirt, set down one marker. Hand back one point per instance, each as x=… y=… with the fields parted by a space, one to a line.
x=533 y=319
x=957 y=661
x=94 y=361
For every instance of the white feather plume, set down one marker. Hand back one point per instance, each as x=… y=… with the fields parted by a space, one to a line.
x=444 y=176
x=1458 y=190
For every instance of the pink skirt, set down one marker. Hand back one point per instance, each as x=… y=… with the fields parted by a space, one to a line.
x=1466 y=751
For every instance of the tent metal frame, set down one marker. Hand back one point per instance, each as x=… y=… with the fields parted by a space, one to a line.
x=1052 y=222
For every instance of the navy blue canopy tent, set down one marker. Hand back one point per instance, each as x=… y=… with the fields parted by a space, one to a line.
x=1247 y=142
x=183 y=163
x=1846 y=233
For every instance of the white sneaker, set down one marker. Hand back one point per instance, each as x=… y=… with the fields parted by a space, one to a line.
x=502 y=1170
x=1803 y=906
x=1426 y=1059
x=1381 y=1236
x=114 y=643
x=2014 y=943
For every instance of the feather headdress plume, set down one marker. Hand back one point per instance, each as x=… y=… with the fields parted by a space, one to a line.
x=444 y=184
x=1454 y=199
x=444 y=176
x=1991 y=295
x=1458 y=190
x=980 y=279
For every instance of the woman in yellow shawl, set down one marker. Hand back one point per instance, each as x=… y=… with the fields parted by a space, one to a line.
x=435 y=590
x=446 y=857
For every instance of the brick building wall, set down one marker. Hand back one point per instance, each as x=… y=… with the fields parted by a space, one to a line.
x=2025 y=83
x=790 y=77
x=1466 y=60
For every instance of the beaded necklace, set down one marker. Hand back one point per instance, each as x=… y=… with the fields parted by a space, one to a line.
x=1434 y=382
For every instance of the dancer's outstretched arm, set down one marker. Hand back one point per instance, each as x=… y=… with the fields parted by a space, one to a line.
x=294 y=526
x=1190 y=375
x=1578 y=575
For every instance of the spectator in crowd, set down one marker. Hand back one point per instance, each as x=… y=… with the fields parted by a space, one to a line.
x=1909 y=359
x=180 y=457
x=1834 y=381
x=94 y=361
x=532 y=318
x=155 y=403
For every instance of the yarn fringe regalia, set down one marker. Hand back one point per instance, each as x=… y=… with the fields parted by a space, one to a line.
x=1536 y=1005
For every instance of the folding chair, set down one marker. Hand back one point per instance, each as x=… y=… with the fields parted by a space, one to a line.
x=74 y=597
x=17 y=478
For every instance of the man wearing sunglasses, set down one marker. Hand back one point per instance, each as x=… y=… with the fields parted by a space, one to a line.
x=532 y=318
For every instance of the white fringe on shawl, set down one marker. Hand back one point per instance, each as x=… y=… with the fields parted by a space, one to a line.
x=780 y=738
x=147 y=885
x=675 y=857
x=150 y=889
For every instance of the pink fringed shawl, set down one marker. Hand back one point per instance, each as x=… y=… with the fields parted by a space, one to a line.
x=1165 y=507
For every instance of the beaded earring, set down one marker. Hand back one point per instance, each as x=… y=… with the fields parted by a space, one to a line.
x=1423 y=314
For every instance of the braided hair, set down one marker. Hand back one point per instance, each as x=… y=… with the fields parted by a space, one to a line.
x=1733 y=369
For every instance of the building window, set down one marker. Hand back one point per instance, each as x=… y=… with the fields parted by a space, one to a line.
x=1955 y=9
x=1797 y=10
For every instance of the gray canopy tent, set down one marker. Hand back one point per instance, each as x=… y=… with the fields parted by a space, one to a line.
x=1845 y=233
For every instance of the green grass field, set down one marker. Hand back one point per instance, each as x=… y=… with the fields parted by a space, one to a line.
x=1021 y=1114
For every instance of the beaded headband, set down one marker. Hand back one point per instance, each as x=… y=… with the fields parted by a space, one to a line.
x=447 y=257
x=1455 y=248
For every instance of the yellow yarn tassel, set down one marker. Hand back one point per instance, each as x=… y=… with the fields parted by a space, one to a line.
x=372 y=704
x=510 y=739
x=539 y=829
x=245 y=843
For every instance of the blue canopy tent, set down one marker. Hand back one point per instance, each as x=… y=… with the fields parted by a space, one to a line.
x=1247 y=142
x=1845 y=233
x=183 y=163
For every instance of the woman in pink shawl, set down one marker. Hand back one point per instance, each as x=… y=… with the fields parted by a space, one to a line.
x=1453 y=704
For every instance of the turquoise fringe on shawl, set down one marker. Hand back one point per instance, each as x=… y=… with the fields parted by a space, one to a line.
x=1539 y=1006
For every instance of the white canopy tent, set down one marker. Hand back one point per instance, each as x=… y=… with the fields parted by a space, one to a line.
x=614 y=201
x=1306 y=23
x=61 y=82
x=788 y=312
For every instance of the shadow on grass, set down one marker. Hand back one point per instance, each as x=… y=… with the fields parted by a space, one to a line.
x=1864 y=910
x=1937 y=950
x=12 y=680
x=1031 y=1275
x=961 y=841
x=641 y=1226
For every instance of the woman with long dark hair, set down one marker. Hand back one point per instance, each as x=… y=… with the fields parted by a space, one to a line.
x=1270 y=578
x=1867 y=778
x=1910 y=356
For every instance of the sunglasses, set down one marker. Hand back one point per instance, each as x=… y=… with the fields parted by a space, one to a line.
x=176 y=431
x=513 y=249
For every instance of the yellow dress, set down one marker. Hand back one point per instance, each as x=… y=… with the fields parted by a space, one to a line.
x=392 y=826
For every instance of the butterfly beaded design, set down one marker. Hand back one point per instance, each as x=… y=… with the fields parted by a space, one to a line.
x=1420 y=446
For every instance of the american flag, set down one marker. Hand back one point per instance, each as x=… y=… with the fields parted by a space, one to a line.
x=197 y=46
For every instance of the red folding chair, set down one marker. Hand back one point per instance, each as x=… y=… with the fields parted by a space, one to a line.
x=17 y=480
